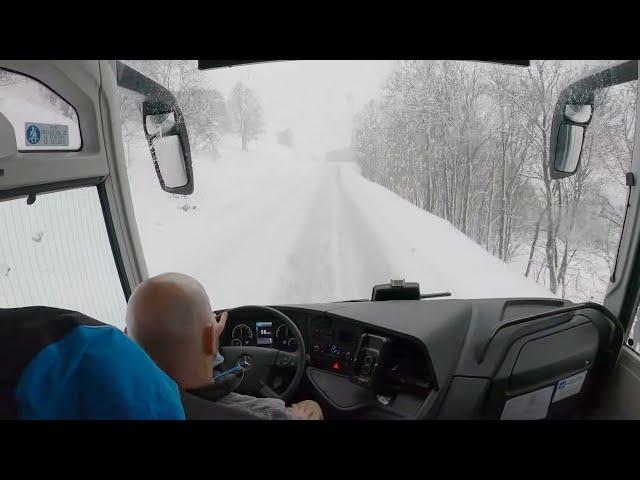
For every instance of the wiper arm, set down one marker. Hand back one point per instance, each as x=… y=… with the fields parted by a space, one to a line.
x=434 y=295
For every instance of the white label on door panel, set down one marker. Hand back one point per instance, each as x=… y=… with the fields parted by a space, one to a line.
x=569 y=386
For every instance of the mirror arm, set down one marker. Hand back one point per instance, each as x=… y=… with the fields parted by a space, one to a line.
x=621 y=72
x=142 y=86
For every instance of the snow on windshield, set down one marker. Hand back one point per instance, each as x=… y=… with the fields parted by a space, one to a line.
x=315 y=181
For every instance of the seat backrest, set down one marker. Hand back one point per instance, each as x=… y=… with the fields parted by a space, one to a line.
x=60 y=364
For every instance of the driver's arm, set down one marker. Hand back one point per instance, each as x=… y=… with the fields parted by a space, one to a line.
x=273 y=408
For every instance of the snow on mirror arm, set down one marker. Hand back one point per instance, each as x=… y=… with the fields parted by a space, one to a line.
x=41 y=119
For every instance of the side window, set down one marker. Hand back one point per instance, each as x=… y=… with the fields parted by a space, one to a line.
x=56 y=253
x=41 y=119
x=592 y=203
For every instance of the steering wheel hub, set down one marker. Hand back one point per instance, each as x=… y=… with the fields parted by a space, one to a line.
x=245 y=362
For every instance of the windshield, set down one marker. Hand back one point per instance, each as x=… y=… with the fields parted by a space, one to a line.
x=316 y=180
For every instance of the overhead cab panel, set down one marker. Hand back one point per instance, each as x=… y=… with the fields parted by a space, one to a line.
x=59 y=139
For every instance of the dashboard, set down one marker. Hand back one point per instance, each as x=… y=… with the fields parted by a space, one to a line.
x=435 y=358
x=332 y=344
x=345 y=356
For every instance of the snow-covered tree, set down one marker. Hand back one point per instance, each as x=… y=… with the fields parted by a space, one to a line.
x=245 y=112
x=285 y=137
x=470 y=143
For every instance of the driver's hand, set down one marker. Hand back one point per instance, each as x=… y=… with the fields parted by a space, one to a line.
x=307 y=410
x=219 y=323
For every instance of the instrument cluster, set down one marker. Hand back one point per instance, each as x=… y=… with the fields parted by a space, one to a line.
x=263 y=334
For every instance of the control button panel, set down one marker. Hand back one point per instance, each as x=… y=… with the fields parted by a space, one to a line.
x=369 y=360
x=333 y=344
x=331 y=356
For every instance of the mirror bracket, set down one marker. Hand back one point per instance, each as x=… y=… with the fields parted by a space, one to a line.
x=630 y=179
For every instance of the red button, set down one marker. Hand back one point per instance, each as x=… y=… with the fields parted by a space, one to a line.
x=336 y=366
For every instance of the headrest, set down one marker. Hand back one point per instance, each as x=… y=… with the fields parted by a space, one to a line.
x=64 y=365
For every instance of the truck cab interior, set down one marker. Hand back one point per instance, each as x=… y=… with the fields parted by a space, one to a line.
x=403 y=353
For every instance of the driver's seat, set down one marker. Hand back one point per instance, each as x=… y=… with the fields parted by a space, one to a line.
x=60 y=364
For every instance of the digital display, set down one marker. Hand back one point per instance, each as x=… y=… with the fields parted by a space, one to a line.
x=264 y=333
x=334 y=349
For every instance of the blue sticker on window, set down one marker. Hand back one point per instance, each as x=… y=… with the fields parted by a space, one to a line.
x=33 y=134
x=46 y=135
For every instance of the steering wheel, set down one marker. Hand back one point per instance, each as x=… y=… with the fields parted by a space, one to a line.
x=257 y=362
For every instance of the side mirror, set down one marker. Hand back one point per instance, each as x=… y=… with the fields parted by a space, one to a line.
x=573 y=113
x=567 y=135
x=169 y=144
x=164 y=128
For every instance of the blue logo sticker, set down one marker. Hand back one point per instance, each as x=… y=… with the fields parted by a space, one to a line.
x=33 y=134
x=562 y=384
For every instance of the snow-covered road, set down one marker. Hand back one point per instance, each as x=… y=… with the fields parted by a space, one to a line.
x=277 y=229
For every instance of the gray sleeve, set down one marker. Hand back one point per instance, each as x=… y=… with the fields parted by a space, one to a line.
x=266 y=408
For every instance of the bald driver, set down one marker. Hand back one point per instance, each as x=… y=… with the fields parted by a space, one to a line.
x=170 y=317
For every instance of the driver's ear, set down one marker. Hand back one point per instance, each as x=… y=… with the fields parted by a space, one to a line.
x=209 y=340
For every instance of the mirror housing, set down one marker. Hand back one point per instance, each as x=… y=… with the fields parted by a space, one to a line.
x=164 y=128
x=568 y=148
x=168 y=141
x=573 y=113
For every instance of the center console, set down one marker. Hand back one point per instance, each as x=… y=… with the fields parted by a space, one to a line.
x=333 y=347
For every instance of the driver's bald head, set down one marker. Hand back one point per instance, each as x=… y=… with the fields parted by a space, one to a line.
x=170 y=317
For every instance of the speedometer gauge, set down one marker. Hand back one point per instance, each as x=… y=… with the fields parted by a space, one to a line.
x=241 y=335
x=285 y=338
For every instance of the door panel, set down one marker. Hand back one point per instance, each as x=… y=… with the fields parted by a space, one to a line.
x=622 y=398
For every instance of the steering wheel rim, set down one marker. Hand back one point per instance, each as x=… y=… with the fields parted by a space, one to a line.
x=270 y=357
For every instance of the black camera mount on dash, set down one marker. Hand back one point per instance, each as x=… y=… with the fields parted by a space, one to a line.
x=396 y=289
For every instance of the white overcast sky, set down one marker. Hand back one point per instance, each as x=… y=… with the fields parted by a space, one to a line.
x=315 y=98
